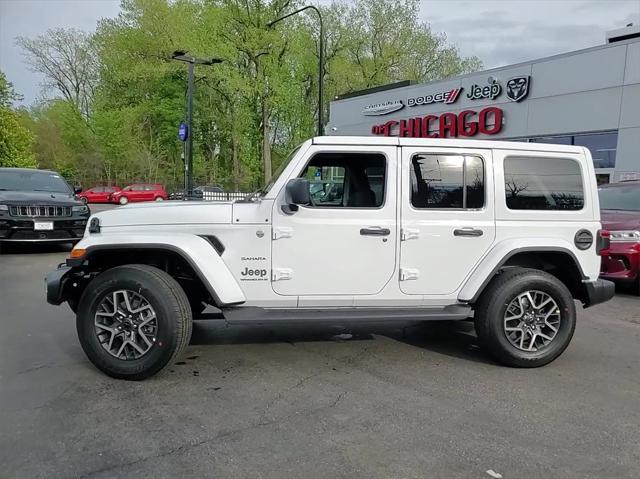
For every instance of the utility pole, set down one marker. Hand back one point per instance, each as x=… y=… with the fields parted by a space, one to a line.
x=188 y=161
x=320 y=62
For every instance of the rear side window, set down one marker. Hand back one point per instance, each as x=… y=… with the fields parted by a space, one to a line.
x=535 y=183
x=447 y=181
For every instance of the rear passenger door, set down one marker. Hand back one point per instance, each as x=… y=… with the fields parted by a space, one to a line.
x=447 y=217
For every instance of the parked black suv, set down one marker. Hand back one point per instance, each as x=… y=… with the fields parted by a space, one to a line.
x=39 y=206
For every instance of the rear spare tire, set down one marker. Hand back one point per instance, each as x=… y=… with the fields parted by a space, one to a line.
x=133 y=320
x=525 y=317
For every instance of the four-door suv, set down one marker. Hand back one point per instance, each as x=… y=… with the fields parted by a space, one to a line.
x=139 y=192
x=505 y=233
x=97 y=194
x=620 y=210
x=38 y=206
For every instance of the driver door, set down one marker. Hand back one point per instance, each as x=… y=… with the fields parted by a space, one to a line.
x=344 y=243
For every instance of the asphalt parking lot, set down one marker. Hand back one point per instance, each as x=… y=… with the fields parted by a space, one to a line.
x=383 y=400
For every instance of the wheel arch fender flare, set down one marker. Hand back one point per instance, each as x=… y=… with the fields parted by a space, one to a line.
x=501 y=253
x=197 y=251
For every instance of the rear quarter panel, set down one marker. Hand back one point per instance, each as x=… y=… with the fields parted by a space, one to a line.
x=557 y=226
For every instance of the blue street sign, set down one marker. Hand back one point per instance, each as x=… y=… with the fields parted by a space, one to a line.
x=183 y=131
x=318 y=174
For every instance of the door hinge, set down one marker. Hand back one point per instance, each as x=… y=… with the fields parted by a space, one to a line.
x=407 y=274
x=409 y=233
x=278 y=274
x=282 y=232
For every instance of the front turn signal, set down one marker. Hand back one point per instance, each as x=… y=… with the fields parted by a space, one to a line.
x=77 y=253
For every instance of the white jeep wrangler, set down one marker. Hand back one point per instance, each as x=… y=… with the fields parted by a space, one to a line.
x=352 y=229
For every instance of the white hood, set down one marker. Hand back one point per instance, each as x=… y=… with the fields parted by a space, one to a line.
x=167 y=213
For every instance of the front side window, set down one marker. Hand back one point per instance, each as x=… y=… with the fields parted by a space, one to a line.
x=535 y=183
x=346 y=180
x=447 y=181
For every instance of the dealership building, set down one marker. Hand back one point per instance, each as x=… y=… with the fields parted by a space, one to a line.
x=588 y=98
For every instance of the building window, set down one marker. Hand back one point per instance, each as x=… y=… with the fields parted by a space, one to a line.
x=602 y=147
x=555 y=140
x=534 y=183
x=447 y=181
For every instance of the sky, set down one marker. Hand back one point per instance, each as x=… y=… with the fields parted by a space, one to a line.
x=499 y=32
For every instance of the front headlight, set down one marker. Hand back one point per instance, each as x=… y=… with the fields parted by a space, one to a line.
x=628 y=236
x=80 y=209
x=4 y=208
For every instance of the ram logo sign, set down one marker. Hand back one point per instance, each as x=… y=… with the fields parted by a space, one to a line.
x=518 y=88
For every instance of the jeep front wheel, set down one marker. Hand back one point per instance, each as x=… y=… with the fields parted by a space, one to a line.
x=525 y=317
x=133 y=320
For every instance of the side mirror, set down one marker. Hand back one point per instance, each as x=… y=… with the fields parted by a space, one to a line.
x=77 y=189
x=296 y=193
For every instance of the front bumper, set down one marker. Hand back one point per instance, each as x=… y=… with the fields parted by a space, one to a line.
x=599 y=291
x=622 y=263
x=55 y=284
x=21 y=230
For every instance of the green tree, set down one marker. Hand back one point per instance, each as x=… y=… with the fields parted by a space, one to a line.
x=250 y=111
x=15 y=140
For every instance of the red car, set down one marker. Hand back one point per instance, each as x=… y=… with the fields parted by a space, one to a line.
x=620 y=213
x=140 y=192
x=97 y=194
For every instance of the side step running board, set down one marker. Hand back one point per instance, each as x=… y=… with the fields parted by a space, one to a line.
x=254 y=314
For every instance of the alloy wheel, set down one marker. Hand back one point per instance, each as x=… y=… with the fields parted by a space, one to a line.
x=531 y=321
x=126 y=324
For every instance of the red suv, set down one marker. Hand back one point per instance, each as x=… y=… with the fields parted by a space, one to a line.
x=140 y=192
x=620 y=213
x=97 y=194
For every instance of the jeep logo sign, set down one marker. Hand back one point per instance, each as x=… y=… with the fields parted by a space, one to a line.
x=258 y=273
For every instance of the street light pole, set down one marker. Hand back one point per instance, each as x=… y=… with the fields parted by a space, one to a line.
x=320 y=62
x=188 y=161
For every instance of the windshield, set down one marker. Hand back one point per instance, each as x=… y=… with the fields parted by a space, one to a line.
x=35 y=180
x=278 y=172
x=623 y=197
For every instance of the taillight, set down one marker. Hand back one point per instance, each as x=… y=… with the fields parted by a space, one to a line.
x=603 y=243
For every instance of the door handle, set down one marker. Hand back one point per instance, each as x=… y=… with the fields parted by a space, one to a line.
x=375 y=231
x=467 y=232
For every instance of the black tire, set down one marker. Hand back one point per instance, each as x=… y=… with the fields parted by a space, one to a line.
x=490 y=313
x=84 y=199
x=168 y=300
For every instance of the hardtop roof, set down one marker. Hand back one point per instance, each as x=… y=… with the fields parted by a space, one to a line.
x=445 y=142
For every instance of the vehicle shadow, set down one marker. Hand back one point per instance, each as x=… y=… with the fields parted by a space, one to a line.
x=34 y=248
x=452 y=338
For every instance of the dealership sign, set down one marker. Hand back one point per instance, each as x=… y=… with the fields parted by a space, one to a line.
x=467 y=123
x=446 y=97
x=385 y=108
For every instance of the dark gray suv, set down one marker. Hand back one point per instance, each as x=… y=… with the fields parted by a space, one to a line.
x=39 y=206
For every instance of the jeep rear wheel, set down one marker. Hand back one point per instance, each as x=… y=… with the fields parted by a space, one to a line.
x=133 y=320
x=525 y=317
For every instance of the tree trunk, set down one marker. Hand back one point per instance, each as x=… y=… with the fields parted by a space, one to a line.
x=266 y=142
x=235 y=159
